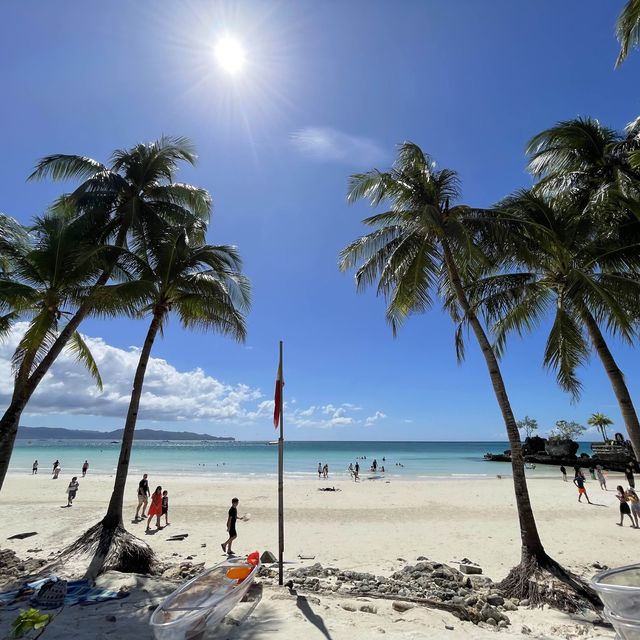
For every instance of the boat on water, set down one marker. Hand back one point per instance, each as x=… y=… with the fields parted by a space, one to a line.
x=204 y=601
x=271 y=442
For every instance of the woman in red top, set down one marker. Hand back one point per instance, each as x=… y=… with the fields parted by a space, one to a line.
x=156 y=507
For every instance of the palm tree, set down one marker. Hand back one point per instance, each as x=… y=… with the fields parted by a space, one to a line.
x=628 y=29
x=423 y=247
x=125 y=201
x=45 y=282
x=203 y=285
x=600 y=421
x=556 y=263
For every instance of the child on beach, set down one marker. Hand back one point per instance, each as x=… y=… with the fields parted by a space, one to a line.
x=156 y=507
x=165 y=507
x=72 y=489
x=231 y=526
x=579 y=482
x=624 y=507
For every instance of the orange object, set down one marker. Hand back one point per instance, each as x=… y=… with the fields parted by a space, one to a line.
x=238 y=573
x=253 y=558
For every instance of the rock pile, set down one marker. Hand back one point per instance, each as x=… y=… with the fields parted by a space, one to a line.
x=12 y=568
x=474 y=596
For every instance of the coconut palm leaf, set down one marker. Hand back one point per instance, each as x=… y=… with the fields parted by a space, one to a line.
x=78 y=347
x=628 y=29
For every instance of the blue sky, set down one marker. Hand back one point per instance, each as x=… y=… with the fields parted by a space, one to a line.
x=329 y=89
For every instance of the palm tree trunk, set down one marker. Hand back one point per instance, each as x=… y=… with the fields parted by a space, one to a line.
x=24 y=388
x=531 y=543
x=113 y=518
x=616 y=378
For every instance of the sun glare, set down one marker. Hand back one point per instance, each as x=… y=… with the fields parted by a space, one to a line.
x=230 y=55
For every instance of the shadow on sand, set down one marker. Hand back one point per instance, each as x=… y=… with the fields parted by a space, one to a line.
x=305 y=608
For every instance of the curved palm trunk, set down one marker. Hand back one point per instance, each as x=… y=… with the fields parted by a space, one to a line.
x=113 y=518
x=25 y=387
x=531 y=543
x=616 y=378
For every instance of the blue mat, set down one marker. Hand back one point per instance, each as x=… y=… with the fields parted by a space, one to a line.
x=78 y=592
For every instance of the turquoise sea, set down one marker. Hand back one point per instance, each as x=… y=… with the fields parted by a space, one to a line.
x=402 y=459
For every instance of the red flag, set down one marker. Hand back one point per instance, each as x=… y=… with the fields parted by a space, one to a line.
x=277 y=409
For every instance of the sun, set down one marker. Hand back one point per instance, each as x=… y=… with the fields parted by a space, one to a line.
x=230 y=55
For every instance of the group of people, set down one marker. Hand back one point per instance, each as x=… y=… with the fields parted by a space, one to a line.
x=628 y=498
x=159 y=504
x=74 y=485
x=57 y=468
x=323 y=470
x=160 y=507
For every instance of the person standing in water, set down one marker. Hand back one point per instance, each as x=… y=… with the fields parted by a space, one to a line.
x=319 y=470
x=231 y=527
x=85 y=468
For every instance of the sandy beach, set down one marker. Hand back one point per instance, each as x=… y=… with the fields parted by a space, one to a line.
x=373 y=526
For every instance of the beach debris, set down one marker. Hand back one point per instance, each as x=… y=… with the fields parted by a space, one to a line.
x=178 y=536
x=28 y=620
x=401 y=607
x=22 y=536
x=448 y=627
x=328 y=489
x=268 y=557
x=306 y=557
x=34 y=550
x=470 y=569
x=368 y=608
x=348 y=607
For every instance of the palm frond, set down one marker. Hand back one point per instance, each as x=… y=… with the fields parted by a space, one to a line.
x=628 y=29
x=78 y=347
x=64 y=167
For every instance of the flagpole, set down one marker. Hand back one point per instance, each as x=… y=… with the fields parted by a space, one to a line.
x=280 y=474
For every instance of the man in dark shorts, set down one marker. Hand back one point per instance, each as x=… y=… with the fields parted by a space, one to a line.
x=231 y=526
x=579 y=482
x=143 y=496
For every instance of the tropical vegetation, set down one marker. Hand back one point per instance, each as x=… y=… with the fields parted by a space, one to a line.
x=601 y=422
x=628 y=29
x=425 y=246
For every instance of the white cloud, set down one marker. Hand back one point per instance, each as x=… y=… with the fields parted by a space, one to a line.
x=168 y=394
x=325 y=144
x=378 y=415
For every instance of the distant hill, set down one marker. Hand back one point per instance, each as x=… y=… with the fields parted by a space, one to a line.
x=52 y=433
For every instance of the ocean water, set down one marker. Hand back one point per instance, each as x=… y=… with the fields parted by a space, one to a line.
x=248 y=459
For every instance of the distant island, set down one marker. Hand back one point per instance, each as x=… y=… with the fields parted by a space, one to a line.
x=52 y=433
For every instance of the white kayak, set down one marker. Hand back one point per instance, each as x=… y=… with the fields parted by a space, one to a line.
x=205 y=600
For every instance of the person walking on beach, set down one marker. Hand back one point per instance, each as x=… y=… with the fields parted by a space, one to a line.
x=325 y=471
x=319 y=470
x=34 y=468
x=628 y=472
x=156 y=507
x=231 y=527
x=165 y=507
x=579 y=482
x=601 y=479
x=143 y=497
x=624 y=507
x=634 y=503
x=56 y=472
x=72 y=489
x=356 y=471
x=563 y=471
x=85 y=468
x=56 y=464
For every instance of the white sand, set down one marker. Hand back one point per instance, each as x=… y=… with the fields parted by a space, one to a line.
x=369 y=526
